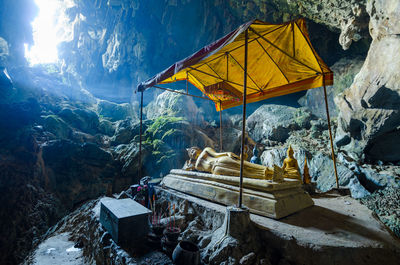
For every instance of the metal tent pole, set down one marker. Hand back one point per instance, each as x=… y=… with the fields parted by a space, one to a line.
x=140 y=135
x=246 y=37
x=330 y=133
x=220 y=126
x=187 y=83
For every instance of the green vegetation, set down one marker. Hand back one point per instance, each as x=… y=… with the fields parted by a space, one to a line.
x=157 y=135
x=160 y=124
x=343 y=82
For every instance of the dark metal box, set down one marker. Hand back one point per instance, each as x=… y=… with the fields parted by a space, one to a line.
x=125 y=220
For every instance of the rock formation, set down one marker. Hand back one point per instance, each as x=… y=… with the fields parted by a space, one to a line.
x=369 y=116
x=65 y=136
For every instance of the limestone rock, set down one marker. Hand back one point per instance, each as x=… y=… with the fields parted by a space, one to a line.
x=83 y=119
x=116 y=112
x=176 y=105
x=125 y=132
x=369 y=108
x=228 y=242
x=350 y=17
x=106 y=127
x=57 y=126
x=17 y=115
x=276 y=122
x=6 y=85
x=376 y=177
x=127 y=155
x=77 y=172
x=322 y=172
x=16 y=28
x=168 y=138
x=275 y=156
x=344 y=71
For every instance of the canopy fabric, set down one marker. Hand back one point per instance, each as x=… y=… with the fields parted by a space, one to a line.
x=281 y=60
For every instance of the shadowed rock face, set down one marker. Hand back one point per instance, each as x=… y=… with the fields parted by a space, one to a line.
x=15 y=28
x=344 y=72
x=276 y=122
x=370 y=112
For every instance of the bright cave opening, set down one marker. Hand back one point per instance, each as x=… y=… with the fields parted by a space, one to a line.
x=47 y=32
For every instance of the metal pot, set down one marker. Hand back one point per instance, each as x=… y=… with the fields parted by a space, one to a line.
x=172 y=233
x=186 y=253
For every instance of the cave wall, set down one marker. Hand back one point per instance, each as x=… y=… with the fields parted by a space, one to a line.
x=117 y=44
x=15 y=30
x=370 y=110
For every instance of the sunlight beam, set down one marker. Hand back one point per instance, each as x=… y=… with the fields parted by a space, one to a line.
x=45 y=36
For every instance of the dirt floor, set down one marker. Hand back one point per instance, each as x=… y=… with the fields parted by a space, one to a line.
x=58 y=250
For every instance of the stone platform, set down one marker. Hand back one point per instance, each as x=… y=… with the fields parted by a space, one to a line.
x=263 y=197
x=336 y=230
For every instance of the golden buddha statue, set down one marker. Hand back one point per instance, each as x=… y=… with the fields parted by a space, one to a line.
x=306 y=174
x=290 y=166
x=225 y=163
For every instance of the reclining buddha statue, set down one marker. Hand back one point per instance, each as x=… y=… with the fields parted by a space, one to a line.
x=225 y=163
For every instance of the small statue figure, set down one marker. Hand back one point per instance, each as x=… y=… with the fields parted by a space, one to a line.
x=226 y=163
x=245 y=153
x=254 y=159
x=290 y=165
x=306 y=174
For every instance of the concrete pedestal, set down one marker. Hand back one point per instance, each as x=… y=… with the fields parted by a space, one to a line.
x=237 y=221
x=263 y=197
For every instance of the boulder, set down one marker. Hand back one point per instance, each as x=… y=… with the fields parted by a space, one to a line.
x=377 y=177
x=115 y=112
x=83 y=119
x=174 y=105
x=57 y=126
x=125 y=131
x=322 y=172
x=106 y=127
x=276 y=122
x=128 y=156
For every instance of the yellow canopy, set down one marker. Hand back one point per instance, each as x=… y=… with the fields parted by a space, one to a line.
x=281 y=60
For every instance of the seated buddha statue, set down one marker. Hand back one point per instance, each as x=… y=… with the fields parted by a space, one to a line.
x=290 y=166
x=224 y=163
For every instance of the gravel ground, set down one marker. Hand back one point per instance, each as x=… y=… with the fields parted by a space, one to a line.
x=386 y=204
